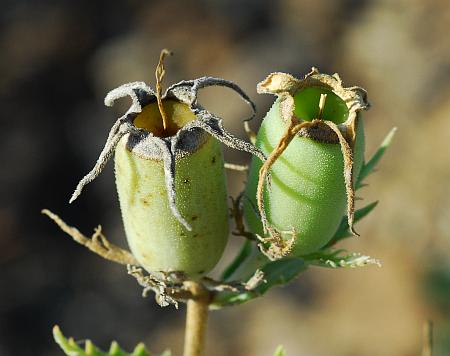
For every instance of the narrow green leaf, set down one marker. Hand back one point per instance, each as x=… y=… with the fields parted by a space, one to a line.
x=71 y=348
x=371 y=164
x=275 y=273
x=91 y=350
x=340 y=259
x=241 y=257
x=343 y=231
x=68 y=346
x=140 y=350
x=280 y=272
x=280 y=351
x=114 y=349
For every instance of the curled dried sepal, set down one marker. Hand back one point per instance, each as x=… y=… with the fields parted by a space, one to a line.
x=292 y=130
x=276 y=246
x=172 y=288
x=347 y=154
x=172 y=147
x=166 y=293
x=285 y=86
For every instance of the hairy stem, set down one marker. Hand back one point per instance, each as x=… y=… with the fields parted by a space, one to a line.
x=196 y=320
x=97 y=243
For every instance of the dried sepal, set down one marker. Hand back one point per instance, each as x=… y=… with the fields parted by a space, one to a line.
x=172 y=288
x=120 y=128
x=276 y=246
x=291 y=131
x=285 y=86
x=347 y=154
x=166 y=291
x=172 y=147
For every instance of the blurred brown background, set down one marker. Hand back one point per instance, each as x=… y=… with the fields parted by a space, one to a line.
x=59 y=58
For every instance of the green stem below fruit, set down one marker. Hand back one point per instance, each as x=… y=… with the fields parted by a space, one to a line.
x=196 y=320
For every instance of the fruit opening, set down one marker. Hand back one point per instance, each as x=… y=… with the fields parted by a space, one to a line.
x=150 y=119
x=307 y=105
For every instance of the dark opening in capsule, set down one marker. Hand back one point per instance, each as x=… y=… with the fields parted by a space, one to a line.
x=150 y=119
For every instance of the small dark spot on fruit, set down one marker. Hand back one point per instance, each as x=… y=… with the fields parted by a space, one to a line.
x=186 y=180
x=194 y=217
x=147 y=199
x=201 y=272
x=213 y=160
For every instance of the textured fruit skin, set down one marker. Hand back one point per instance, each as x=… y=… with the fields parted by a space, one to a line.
x=156 y=238
x=307 y=185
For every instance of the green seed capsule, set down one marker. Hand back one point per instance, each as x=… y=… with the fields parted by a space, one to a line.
x=311 y=181
x=158 y=240
x=170 y=176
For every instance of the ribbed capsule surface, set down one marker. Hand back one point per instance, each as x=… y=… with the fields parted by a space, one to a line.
x=155 y=236
x=307 y=191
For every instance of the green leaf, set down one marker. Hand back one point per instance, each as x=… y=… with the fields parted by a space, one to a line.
x=340 y=259
x=280 y=272
x=343 y=231
x=71 y=348
x=246 y=249
x=280 y=351
x=369 y=166
x=67 y=345
x=275 y=273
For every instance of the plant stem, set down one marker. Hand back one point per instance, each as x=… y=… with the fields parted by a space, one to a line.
x=427 y=338
x=196 y=320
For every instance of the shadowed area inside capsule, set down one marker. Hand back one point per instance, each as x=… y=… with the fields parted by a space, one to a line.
x=150 y=119
x=307 y=105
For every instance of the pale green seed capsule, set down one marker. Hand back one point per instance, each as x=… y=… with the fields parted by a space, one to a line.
x=307 y=195
x=158 y=240
x=171 y=181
